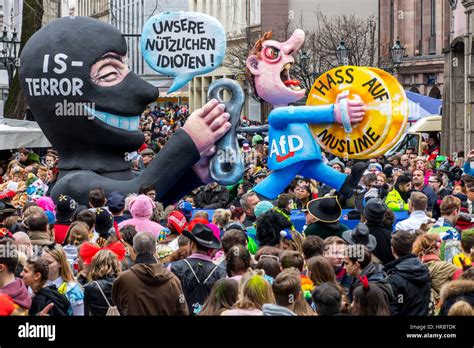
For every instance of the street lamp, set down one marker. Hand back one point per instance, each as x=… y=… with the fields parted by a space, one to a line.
x=342 y=53
x=9 y=53
x=397 y=53
x=304 y=60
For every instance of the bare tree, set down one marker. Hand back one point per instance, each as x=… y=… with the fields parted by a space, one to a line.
x=15 y=106
x=320 y=45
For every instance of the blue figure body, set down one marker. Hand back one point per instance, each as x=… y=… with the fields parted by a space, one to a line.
x=294 y=151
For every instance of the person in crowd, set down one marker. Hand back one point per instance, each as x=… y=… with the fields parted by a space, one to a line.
x=223 y=296
x=141 y=208
x=237 y=262
x=254 y=292
x=104 y=269
x=417 y=207
x=303 y=196
x=134 y=291
x=327 y=211
x=248 y=202
x=66 y=209
x=268 y=228
x=9 y=284
x=36 y=226
x=369 y=300
x=312 y=246
x=97 y=198
x=358 y=261
x=456 y=291
x=436 y=184
x=446 y=228
x=197 y=272
x=221 y=218
x=287 y=291
x=23 y=243
x=212 y=196
x=427 y=248
x=61 y=276
x=409 y=278
x=464 y=259
x=116 y=206
x=88 y=217
x=418 y=184
x=374 y=212
x=291 y=240
x=327 y=300
x=270 y=265
x=397 y=198
x=35 y=275
x=334 y=249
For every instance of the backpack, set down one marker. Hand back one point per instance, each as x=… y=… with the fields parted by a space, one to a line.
x=112 y=311
x=198 y=295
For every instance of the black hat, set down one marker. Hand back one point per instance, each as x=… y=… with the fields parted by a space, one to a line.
x=360 y=235
x=116 y=201
x=66 y=207
x=6 y=210
x=374 y=210
x=203 y=235
x=325 y=209
x=405 y=178
x=103 y=221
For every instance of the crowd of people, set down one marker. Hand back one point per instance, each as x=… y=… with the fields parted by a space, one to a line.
x=225 y=250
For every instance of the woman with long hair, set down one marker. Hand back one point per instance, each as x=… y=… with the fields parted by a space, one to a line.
x=60 y=275
x=104 y=269
x=223 y=296
x=254 y=292
x=35 y=275
x=369 y=300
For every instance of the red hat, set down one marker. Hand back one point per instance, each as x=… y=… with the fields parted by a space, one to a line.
x=177 y=221
x=198 y=220
x=143 y=147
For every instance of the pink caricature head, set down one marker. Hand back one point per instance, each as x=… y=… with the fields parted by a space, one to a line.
x=268 y=69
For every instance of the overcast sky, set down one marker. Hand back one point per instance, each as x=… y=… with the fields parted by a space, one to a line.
x=360 y=8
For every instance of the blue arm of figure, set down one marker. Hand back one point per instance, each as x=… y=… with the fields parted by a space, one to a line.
x=283 y=116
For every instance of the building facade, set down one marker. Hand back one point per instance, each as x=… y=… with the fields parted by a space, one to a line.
x=458 y=123
x=423 y=27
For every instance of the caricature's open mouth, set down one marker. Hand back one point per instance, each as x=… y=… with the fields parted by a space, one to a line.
x=123 y=122
x=292 y=85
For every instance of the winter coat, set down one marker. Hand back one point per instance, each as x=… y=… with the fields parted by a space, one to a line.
x=411 y=285
x=394 y=200
x=196 y=291
x=94 y=302
x=376 y=275
x=148 y=289
x=212 y=198
x=40 y=238
x=383 y=250
x=454 y=291
x=324 y=230
x=441 y=272
x=18 y=292
x=47 y=295
x=141 y=208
